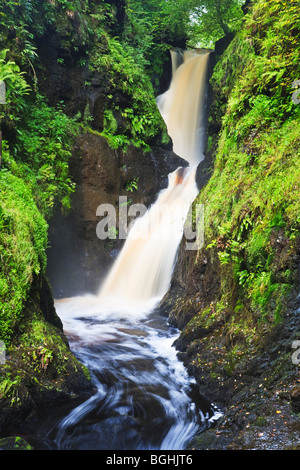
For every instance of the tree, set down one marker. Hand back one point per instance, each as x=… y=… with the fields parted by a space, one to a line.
x=176 y=22
x=165 y=20
x=213 y=19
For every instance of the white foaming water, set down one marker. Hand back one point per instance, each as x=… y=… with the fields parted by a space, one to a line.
x=142 y=399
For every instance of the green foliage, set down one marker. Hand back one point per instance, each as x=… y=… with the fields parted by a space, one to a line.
x=213 y=19
x=41 y=153
x=22 y=17
x=40 y=359
x=16 y=90
x=23 y=241
x=265 y=86
x=162 y=22
x=140 y=121
x=196 y=22
x=132 y=185
x=252 y=199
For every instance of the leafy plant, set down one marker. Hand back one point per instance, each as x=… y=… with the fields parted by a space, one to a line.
x=213 y=19
x=132 y=185
x=140 y=121
x=16 y=89
x=43 y=147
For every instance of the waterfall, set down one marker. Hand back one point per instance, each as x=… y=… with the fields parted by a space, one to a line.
x=143 y=270
x=144 y=267
x=183 y=105
x=143 y=392
x=141 y=274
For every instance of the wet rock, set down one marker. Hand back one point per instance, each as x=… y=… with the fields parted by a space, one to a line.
x=211 y=440
x=195 y=284
x=295 y=399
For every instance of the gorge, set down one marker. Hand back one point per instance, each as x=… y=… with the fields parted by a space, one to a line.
x=182 y=348
x=143 y=395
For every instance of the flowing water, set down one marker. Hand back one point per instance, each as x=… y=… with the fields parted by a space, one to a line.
x=144 y=397
x=182 y=105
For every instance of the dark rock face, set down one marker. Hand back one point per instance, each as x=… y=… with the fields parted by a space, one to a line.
x=47 y=304
x=295 y=398
x=195 y=283
x=62 y=78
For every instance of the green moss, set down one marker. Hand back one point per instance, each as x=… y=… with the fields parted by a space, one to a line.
x=23 y=243
x=14 y=443
x=260 y=421
x=40 y=360
x=254 y=191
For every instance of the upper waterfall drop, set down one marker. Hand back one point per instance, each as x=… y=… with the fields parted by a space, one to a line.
x=182 y=106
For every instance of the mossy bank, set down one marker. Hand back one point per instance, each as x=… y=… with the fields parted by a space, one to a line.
x=37 y=368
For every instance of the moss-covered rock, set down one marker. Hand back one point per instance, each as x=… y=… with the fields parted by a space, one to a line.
x=14 y=443
x=39 y=369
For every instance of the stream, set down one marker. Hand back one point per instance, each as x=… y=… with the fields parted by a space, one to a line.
x=144 y=398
